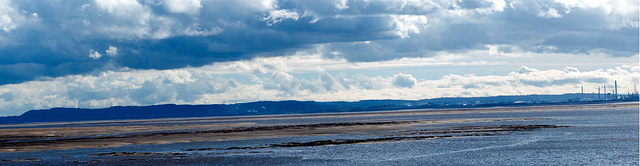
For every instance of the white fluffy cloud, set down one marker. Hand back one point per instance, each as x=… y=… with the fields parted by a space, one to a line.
x=551 y=13
x=10 y=18
x=130 y=19
x=407 y=24
x=620 y=13
x=94 y=54
x=191 y=7
x=533 y=81
x=404 y=80
x=341 y=4
x=276 y=16
x=112 y=51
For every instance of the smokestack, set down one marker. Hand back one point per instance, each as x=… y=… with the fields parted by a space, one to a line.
x=582 y=90
x=598 y=92
x=615 y=83
x=605 y=90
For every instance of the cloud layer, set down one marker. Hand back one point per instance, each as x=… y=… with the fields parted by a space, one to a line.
x=141 y=52
x=297 y=77
x=59 y=38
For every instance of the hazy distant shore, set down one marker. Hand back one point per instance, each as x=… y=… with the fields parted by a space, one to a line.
x=331 y=114
x=292 y=107
x=100 y=134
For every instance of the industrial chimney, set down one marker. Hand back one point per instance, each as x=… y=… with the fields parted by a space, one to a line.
x=615 y=83
x=605 y=90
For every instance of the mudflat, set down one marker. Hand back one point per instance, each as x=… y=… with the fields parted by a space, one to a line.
x=98 y=134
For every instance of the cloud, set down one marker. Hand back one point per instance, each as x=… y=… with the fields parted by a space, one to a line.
x=128 y=18
x=10 y=18
x=526 y=70
x=202 y=86
x=405 y=24
x=197 y=30
x=313 y=61
x=404 y=80
x=167 y=35
x=527 y=79
x=117 y=88
x=94 y=54
x=341 y=4
x=289 y=85
x=276 y=16
x=191 y=7
x=216 y=51
x=551 y=13
x=329 y=83
x=112 y=51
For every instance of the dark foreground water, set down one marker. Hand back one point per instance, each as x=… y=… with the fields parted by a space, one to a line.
x=599 y=137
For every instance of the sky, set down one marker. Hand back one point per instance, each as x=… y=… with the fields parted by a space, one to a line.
x=102 y=53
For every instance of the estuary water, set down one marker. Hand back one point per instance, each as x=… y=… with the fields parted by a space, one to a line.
x=597 y=137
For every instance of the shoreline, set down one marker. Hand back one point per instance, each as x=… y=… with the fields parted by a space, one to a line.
x=312 y=115
x=163 y=131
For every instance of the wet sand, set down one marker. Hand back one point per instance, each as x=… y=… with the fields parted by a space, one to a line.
x=97 y=134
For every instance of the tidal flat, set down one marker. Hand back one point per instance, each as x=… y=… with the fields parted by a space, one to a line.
x=605 y=134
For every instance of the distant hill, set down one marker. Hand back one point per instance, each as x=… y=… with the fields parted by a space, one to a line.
x=291 y=107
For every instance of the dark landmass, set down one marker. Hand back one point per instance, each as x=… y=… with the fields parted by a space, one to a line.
x=297 y=107
x=19 y=160
x=168 y=154
x=475 y=129
x=461 y=131
x=452 y=132
x=136 y=154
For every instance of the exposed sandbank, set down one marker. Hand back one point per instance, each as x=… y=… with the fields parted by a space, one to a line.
x=163 y=131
